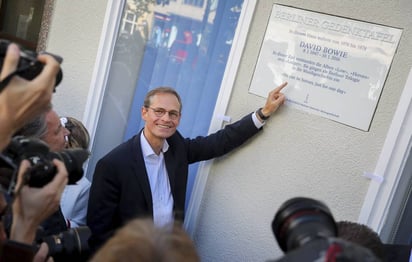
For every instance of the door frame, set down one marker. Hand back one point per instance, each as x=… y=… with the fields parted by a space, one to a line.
x=380 y=208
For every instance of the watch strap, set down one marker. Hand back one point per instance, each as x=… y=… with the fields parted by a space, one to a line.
x=261 y=115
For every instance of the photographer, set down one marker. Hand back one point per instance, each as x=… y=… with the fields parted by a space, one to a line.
x=63 y=232
x=21 y=100
x=30 y=207
x=75 y=197
x=48 y=128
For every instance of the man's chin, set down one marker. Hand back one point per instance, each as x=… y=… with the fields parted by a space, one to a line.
x=166 y=133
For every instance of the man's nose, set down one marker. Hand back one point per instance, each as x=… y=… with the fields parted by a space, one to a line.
x=167 y=114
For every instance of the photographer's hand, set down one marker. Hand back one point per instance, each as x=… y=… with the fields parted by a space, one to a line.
x=22 y=100
x=3 y=208
x=42 y=254
x=33 y=205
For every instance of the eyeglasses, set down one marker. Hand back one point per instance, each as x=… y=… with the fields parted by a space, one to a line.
x=159 y=112
x=66 y=123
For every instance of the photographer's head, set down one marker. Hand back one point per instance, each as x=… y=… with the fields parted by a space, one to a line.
x=141 y=240
x=79 y=137
x=362 y=235
x=47 y=127
x=56 y=133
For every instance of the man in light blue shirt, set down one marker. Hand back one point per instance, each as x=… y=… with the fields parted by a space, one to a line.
x=146 y=176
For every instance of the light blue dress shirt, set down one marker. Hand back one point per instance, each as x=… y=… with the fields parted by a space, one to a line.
x=159 y=183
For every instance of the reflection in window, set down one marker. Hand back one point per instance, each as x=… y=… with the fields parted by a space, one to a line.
x=194 y=2
x=187 y=48
x=21 y=21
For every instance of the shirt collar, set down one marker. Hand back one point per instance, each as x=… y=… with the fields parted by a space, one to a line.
x=147 y=150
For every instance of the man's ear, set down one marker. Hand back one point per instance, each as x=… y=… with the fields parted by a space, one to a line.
x=144 y=112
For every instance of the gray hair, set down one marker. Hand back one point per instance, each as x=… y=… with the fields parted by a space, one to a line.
x=37 y=128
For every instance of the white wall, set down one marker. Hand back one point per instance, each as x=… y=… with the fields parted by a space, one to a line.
x=296 y=154
x=74 y=34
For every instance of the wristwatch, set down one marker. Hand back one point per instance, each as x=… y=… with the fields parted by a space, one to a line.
x=261 y=115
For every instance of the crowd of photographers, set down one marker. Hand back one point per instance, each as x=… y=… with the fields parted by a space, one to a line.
x=20 y=101
x=304 y=228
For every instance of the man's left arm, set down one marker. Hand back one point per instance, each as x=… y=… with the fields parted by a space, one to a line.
x=235 y=134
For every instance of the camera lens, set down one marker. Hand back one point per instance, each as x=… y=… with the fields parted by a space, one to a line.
x=69 y=245
x=300 y=220
x=42 y=169
x=73 y=159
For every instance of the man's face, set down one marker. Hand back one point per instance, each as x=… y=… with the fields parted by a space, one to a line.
x=55 y=135
x=161 y=127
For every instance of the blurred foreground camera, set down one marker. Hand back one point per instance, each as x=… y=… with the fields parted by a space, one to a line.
x=42 y=169
x=29 y=67
x=70 y=245
x=306 y=231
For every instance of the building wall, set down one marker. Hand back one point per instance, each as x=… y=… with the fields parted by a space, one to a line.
x=296 y=154
x=74 y=34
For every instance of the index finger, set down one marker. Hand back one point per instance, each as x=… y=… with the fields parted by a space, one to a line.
x=279 y=88
x=24 y=165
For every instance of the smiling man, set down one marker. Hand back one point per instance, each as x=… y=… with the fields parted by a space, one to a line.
x=146 y=176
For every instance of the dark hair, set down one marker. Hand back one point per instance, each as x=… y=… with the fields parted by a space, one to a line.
x=362 y=235
x=162 y=89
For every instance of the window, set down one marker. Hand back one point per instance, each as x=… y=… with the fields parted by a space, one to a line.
x=25 y=22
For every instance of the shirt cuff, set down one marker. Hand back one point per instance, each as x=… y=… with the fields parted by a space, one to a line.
x=256 y=121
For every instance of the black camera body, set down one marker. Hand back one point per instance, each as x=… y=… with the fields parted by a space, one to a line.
x=42 y=169
x=306 y=231
x=29 y=67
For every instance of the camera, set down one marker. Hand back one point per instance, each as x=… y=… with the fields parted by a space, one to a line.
x=29 y=67
x=42 y=169
x=306 y=231
x=70 y=245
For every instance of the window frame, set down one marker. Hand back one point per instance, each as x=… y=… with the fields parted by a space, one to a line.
x=380 y=207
